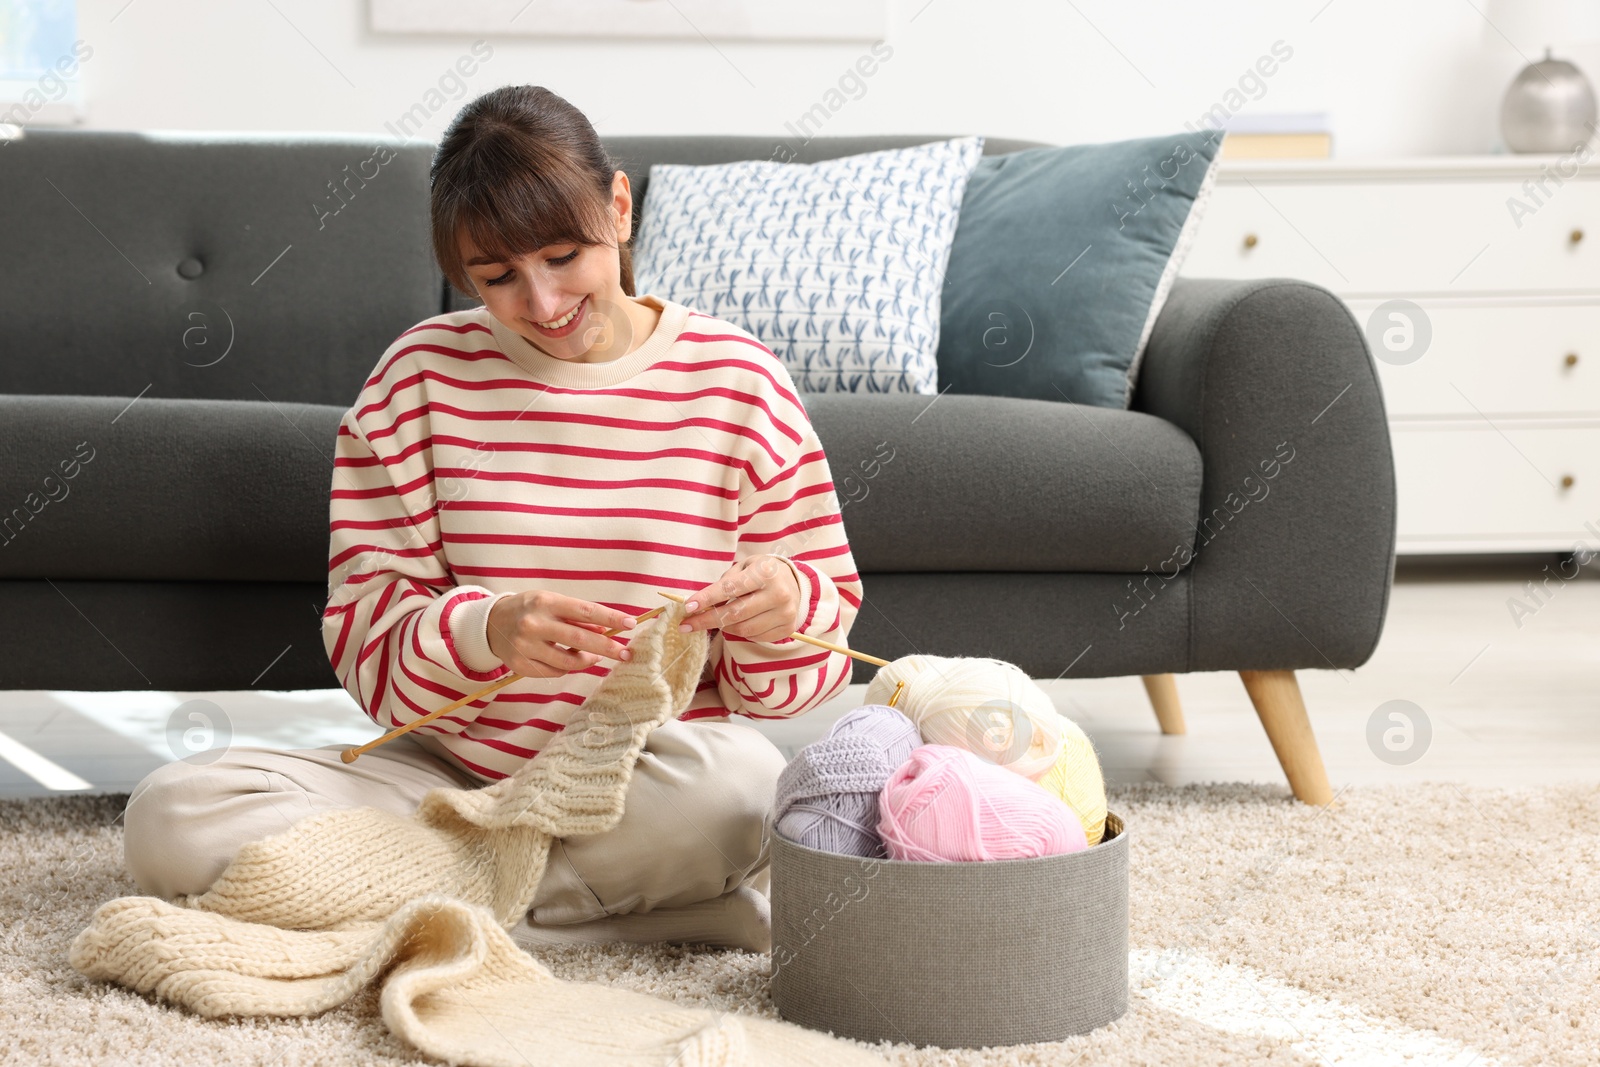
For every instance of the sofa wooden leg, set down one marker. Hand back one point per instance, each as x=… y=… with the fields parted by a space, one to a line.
x=1163 y=690
x=1276 y=695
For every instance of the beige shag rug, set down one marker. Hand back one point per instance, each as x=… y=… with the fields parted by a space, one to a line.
x=1417 y=925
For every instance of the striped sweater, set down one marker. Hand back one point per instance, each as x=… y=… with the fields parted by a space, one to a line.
x=473 y=466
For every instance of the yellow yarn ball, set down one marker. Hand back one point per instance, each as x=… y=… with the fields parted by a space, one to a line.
x=1076 y=779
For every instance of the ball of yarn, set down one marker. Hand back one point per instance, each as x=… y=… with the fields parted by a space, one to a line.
x=987 y=706
x=827 y=796
x=944 y=803
x=1076 y=779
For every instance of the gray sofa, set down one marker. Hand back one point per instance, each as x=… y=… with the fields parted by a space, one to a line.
x=186 y=319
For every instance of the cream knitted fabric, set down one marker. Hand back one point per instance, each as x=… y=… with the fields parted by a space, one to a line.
x=300 y=921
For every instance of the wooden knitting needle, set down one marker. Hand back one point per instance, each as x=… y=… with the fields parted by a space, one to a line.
x=349 y=755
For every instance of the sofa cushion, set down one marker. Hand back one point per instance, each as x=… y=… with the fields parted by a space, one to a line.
x=221 y=490
x=1061 y=262
x=234 y=266
x=979 y=483
x=836 y=265
x=94 y=488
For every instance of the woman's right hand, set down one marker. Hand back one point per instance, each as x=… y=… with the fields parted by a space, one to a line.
x=527 y=630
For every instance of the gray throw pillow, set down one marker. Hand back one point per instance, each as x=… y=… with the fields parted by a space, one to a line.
x=1061 y=261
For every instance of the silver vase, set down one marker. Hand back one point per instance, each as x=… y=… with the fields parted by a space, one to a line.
x=1549 y=107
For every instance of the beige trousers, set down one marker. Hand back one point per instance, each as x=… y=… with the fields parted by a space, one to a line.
x=696 y=823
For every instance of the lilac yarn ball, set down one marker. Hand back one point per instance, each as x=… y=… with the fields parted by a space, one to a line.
x=944 y=803
x=827 y=797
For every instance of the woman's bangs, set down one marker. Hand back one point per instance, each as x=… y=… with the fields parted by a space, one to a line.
x=527 y=212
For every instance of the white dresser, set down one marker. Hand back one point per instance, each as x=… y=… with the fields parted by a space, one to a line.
x=1490 y=360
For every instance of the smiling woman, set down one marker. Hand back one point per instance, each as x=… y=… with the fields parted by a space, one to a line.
x=517 y=222
x=514 y=487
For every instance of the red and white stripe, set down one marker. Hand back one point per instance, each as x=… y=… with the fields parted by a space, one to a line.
x=460 y=477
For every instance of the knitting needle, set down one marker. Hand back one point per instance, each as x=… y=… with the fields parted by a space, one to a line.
x=349 y=755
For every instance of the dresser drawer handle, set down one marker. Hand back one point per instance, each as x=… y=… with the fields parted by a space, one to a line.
x=1250 y=240
x=1576 y=235
x=1566 y=481
x=1572 y=359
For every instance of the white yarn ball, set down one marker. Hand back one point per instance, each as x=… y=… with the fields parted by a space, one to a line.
x=987 y=706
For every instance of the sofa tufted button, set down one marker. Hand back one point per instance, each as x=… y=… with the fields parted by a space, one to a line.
x=191 y=268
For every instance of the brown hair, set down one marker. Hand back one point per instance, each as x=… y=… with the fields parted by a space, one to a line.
x=519 y=168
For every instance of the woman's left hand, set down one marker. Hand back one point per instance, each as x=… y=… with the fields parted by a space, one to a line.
x=757 y=598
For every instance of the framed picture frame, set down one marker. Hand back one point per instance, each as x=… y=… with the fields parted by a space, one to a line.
x=40 y=59
x=736 y=20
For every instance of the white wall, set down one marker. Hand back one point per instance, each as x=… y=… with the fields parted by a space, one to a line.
x=1397 y=77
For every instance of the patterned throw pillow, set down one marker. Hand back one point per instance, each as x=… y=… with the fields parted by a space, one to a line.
x=837 y=266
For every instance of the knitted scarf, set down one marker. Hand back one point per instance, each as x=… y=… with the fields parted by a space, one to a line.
x=302 y=920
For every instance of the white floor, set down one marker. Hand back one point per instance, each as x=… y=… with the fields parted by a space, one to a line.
x=1505 y=704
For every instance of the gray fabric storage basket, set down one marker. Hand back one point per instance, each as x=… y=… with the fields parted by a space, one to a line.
x=959 y=955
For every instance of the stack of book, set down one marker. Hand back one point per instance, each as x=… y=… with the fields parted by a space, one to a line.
x=1300 y=135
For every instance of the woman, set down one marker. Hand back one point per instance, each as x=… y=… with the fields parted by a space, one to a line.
x=512 y=482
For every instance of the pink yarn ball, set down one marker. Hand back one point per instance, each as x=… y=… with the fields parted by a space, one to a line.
x=945 y=803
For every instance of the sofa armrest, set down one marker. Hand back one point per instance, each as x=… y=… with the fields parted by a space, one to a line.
x=1293 y=553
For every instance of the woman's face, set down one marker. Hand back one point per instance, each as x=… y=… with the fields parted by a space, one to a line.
x=566 y=299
